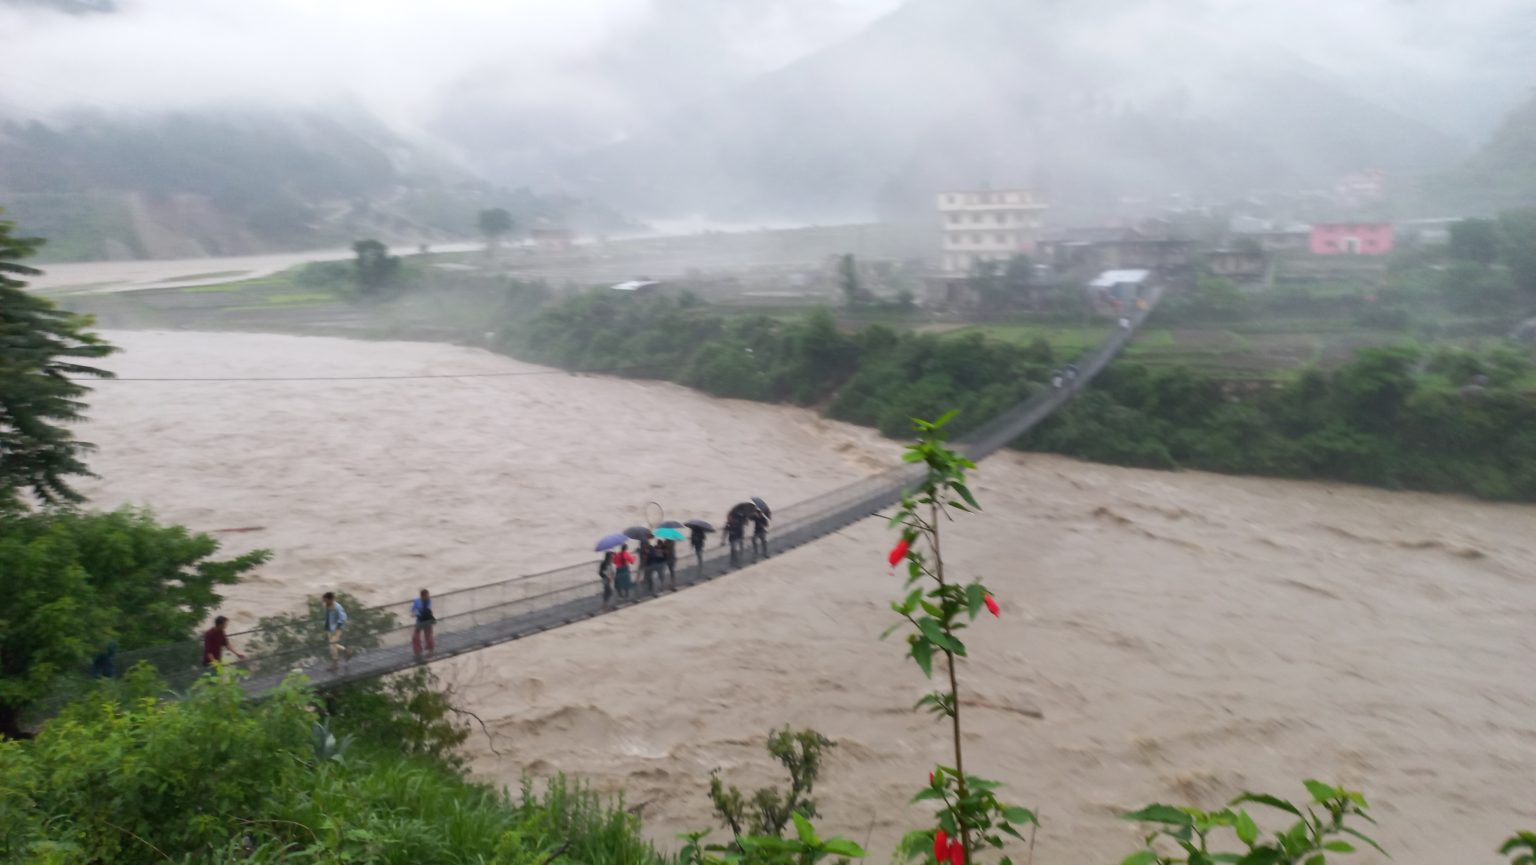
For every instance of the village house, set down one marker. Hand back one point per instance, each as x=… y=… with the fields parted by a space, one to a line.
x=1352 y=238
x=987 y=225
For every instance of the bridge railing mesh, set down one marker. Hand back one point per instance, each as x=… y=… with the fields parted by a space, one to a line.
x=471 y=618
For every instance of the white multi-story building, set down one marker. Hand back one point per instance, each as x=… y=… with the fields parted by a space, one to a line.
x=988 y=225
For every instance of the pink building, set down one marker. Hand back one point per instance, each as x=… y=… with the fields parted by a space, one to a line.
x=1352 y=238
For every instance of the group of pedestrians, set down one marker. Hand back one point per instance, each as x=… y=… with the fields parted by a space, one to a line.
x=736 y=531
x=334 y=627
x=653 y=559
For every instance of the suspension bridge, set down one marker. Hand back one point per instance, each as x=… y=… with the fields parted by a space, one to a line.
x=521 y=606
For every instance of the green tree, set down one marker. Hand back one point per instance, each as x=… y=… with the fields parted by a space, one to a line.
x=1475 y=240
x=1520 y=246
x=40 y=350
x=375 y=269
x=78 y=582
x=848 y=280
x=495 y=223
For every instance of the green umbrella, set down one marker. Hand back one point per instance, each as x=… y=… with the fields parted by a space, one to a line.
x=670 y=534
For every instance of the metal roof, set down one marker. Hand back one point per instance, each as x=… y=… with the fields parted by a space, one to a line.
x=1112 y=278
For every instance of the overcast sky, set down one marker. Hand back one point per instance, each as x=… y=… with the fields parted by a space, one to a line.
x=489 y=75
x=402 y=57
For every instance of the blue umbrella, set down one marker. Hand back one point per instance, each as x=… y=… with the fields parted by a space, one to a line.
x=670 y=534
x=612 y=542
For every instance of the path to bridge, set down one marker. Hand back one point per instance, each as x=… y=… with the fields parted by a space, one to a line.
x=521 y=606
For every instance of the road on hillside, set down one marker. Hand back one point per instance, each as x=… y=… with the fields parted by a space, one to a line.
x=95 y=277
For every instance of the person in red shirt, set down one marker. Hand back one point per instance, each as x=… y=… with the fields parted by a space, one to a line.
x=215 y=641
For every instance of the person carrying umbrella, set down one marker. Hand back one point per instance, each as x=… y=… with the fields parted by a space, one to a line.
x=759 y=535
x=605 y=573
x=669 y=558
x=621 y=562
x=698 y=529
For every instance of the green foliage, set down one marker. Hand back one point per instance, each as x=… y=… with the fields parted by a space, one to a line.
x=215 y=778
x=78 y=582
x=375 y=270
x=848 y=280
x=494 y=223
x=1319 y=829
x=936 y=608
x=411 y=713
x=1475 y=240
x=291 y=640
x=757 y=824
x=1393 y=417
x=768 y=811
x=1521 y=847
x=41 y=348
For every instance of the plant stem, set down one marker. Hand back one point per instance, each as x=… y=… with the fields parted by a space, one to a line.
x=954 y=689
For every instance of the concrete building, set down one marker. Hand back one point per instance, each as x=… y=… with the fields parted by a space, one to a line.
x=1352 y=238
x=987 y=225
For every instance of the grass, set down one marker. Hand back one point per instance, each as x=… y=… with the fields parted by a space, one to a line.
x=1065 y=340
x=300 y=297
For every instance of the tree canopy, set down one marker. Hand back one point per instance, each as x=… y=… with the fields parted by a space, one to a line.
x=495 y=223
x=77 y=582
x=40 y=350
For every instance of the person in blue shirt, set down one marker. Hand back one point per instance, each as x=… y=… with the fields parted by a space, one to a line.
x=421 y=611
x=335 y=623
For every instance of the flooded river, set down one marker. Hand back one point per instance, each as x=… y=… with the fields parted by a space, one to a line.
x=1164 y=637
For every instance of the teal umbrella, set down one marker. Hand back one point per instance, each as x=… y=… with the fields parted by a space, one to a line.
x=670 y=534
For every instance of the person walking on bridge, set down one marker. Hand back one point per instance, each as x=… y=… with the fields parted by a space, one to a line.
x=735 y=529
x=605 y=573
x=621 y=562
x=335 y=623
x=421 y=611
x=669 y=560
x=759 y=535
x=697 y=540
x=215 y=641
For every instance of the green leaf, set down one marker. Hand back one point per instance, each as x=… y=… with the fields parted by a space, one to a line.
x=897 y=519
x=1363 y=837
x=1266 y=799
x=912 y=456
x=927 y=793
x=1319 y=859
x=1262 y=856
x=1159 y=814
x=1247 y=830
x=1020 y=815
x=1140 y=857
x=965 y=493
x=804 y=829
x=1339 y=847
x=975 y=596
x=1321 y=792
x=922 y=653
x=844 y=847
x=1225 y=857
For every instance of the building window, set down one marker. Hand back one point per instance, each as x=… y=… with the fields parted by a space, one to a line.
x=1002 y=238
x=954 y=219
x=1002 y=219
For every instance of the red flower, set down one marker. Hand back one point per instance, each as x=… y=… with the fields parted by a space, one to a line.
x=898 y=552
x=956 y=853
x=930 y=779
x=992 y=607
x=940 y=847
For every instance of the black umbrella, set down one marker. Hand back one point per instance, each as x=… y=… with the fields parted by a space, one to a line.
x=762 y=506
x=639 y=533
x=672 y=524
x=743 y=511
x=701 y=525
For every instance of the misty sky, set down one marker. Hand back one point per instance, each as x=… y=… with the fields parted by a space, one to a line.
x=574 y=73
